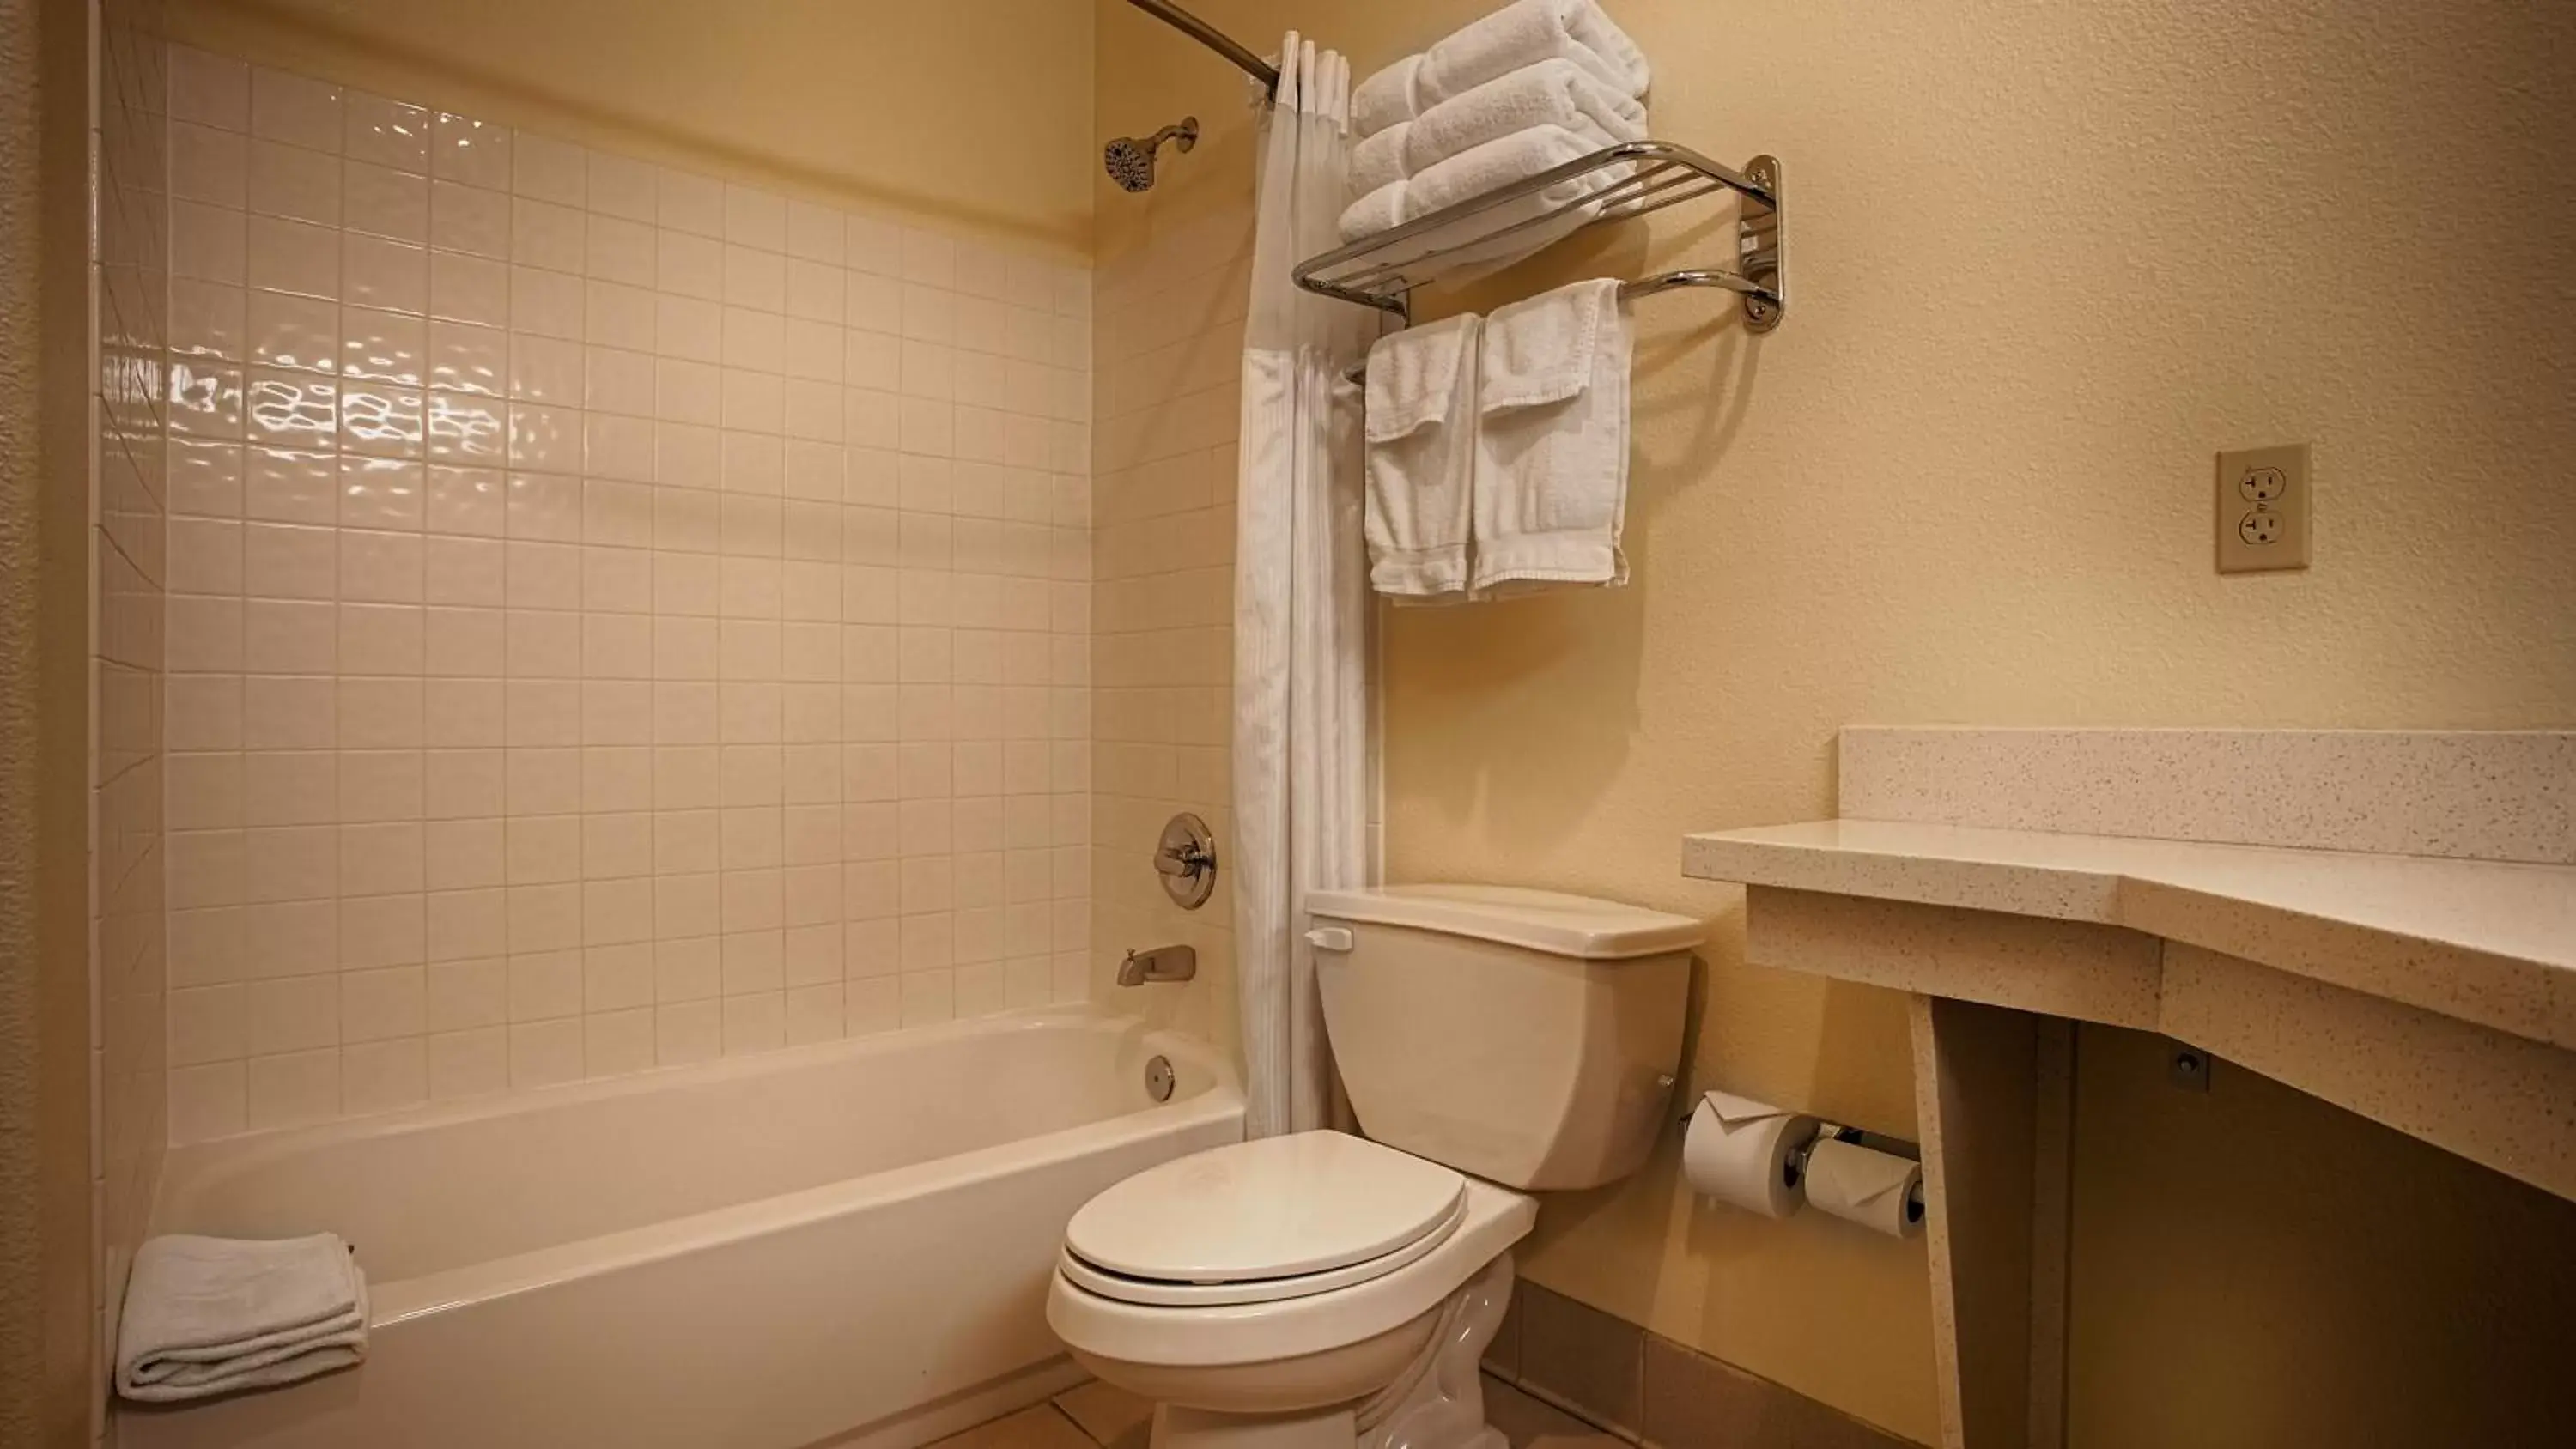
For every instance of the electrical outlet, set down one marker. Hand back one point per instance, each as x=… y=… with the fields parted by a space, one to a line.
x=2263 y=496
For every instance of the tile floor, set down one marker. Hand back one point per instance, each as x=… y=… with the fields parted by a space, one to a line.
x=1096 y=1416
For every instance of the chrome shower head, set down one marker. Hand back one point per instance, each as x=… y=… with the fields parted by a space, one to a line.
x=1130 y=162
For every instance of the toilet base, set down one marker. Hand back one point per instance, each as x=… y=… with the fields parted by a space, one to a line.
x=1433 y=1400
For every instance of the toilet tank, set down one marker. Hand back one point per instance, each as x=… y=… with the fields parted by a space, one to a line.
x=1526 y=1037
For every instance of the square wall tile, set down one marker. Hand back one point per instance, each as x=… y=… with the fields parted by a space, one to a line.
x=591 y=584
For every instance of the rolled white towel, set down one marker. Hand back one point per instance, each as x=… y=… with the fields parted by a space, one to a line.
x=1381 y=209
x=1519 y=34
x=1498 y=163
x=1379 y=159
x=1477 y=170
x=208 y=1316
x=1553 y=92
x=1385 y=98
x=1473 y=172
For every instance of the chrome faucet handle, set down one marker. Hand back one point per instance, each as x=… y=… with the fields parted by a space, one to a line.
x=1185 y=859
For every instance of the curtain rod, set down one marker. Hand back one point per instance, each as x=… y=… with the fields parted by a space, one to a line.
x=1213 y=38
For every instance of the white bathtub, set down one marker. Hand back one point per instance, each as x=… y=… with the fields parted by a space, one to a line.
x=846 y=1245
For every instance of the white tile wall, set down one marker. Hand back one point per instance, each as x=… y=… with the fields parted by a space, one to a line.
x=616 y=617
x=129 y=569
x=1170 y=312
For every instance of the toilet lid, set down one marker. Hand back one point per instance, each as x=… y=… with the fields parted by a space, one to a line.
x=1161 y=1294
x=1276 y=1208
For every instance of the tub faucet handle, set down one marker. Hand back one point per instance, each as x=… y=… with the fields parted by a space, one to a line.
x=1187 y=858
x=1162 y=963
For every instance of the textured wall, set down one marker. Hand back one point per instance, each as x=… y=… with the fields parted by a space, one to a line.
x=2046 y=261
x=49 y=380
x=22 y=572
x=971 y=116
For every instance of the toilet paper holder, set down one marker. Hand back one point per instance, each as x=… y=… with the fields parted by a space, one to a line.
x=1796 y=1168
x=1793 y=1170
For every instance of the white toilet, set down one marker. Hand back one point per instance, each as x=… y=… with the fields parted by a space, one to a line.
x=1319 y=1290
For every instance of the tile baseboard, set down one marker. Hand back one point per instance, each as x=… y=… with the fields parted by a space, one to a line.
x=1647 y=1390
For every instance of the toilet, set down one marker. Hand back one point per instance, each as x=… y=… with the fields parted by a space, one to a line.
x=1321 y=1290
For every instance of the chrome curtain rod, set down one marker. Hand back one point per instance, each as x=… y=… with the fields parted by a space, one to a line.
x=1213 y=38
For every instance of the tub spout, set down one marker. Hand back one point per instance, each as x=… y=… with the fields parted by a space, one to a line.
x=1162 y=963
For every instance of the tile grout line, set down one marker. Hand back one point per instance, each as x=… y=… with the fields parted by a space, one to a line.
x=1566 y=1408
x=1067 y=1415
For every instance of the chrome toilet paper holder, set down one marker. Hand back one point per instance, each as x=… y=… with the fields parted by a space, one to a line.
x=1793 y=1171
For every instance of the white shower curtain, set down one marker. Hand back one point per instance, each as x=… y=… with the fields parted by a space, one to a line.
x=1300 y=598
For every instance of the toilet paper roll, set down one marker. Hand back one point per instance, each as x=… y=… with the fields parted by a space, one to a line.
x=1737 y=1151
x=1871 y=1188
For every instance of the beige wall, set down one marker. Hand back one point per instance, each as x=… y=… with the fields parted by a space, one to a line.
x=2045 y=262
x=52 y=390
x=972 y=115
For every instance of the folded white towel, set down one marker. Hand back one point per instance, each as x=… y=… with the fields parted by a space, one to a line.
x=1421 y=432
x=1551 y=479
x=207 y=1316
x=1499 y=163
x=1519 y=34
x=1379 y=159
x=1379 y=210
x=1385 y=99
x=1553 y=92
x=1477 y=170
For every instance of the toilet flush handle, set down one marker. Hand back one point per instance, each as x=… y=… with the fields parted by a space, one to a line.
x=1329 y=938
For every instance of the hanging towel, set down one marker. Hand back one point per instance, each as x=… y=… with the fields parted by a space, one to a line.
x=1421 y=437
x=1551 y=480
x=1553 y=92
x=1519 y=34
x=207 y=1316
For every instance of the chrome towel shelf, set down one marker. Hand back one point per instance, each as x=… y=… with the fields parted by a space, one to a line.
x=1381 y=271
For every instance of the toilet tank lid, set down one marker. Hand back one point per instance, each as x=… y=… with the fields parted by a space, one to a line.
x=1549 y=921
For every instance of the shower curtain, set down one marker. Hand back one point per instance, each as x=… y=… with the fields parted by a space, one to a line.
x=1300 y=598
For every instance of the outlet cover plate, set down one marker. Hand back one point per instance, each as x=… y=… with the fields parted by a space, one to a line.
x=2263 y=506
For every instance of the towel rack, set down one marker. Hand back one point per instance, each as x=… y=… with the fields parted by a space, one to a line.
x=1381 y=271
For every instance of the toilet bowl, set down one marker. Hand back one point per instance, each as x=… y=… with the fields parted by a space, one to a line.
x=1322 y=1290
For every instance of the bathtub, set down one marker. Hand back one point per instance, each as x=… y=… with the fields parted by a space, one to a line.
x=838 y=1245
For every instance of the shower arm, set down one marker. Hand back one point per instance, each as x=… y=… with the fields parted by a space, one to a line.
x=1213 y=38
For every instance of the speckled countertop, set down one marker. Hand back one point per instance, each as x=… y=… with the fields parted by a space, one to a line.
x=2485 y=941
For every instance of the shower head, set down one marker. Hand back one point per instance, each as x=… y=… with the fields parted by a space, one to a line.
x=1130 y=162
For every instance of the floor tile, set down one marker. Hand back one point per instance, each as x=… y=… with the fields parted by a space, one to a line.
x=1113 y=1417
x=1040 y=1427
x=1529 y=1424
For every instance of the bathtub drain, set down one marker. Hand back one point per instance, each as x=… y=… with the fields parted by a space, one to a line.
x=1158 y=1079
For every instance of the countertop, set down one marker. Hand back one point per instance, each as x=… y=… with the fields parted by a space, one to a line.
x=2485 y=941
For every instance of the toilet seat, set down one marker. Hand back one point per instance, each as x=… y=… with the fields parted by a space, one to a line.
x=1169 y=1294
x=1263 y=1221
x=1101 y=1327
